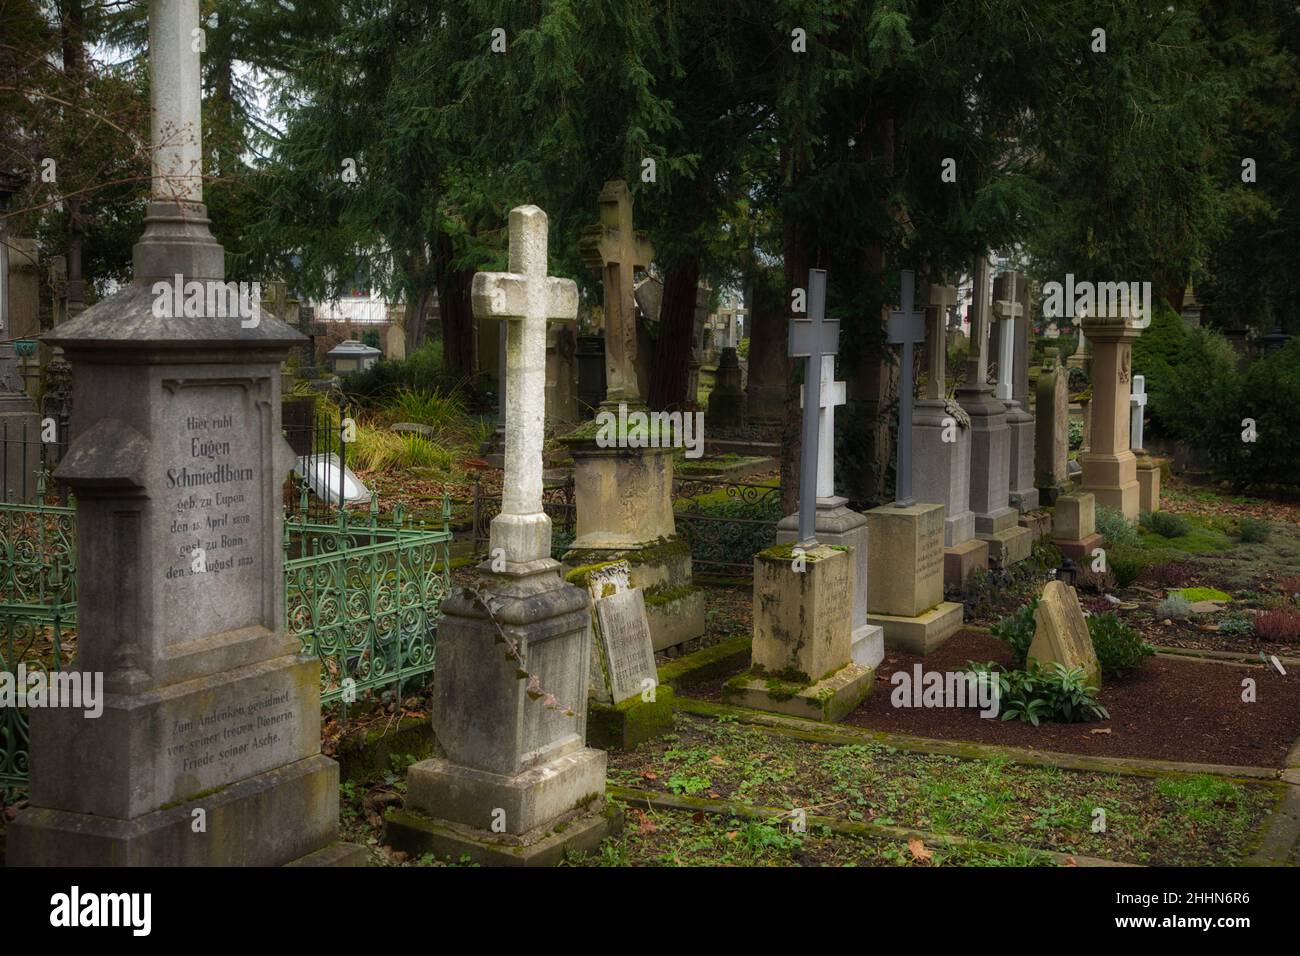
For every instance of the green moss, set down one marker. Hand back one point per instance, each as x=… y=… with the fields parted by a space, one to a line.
x=578 y=576
x=785 y=552
x=707 y=664
x=1203 y=594
x=632 y=722
x=661 y=595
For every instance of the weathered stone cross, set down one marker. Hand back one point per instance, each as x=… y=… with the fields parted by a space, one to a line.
x=525 y=296
x=1007 y=310
x=1137 y=403
x=832 y=393
x=614 y=247
x=906 y=328
x=812 y=338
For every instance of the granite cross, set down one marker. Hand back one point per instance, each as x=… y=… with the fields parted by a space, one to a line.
x=1137 y=403
x=1007 y=311
x=526 y=297
x=942 y=298
x=812 y=338
x=614 y=247
x=906 y=328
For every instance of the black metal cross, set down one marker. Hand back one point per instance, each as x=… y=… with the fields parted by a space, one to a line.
x=906 y=328
x=810 y=339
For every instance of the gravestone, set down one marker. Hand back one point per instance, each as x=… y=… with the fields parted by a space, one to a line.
x=1109 y=465
x=1052 y=430
x=208 y=748
x=727 y=400
x=1061 y=632
x=1080 y=357
x=624 y=493
x=1148 y=468
x=941 y=442
x=990 y=468
x=1012 y=313
x=626 y=705
x=804 y=592
x=906 y=539
x=515 y=783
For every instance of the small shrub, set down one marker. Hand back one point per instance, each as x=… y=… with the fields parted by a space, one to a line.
x=1126 y=563
x=1168 y=574
x=1114 y=527
x=1204 y=594
x=1254 y=531
x=1017 y=631
x=1095 y=582
x=1165 y=524
x=1175 y=608
x=1036 y=693
x=1237 y=625
x=1075 y=427
x=1119 y=645
x=1278 y=626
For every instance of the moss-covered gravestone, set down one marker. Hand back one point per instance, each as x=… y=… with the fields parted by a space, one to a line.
x=803 y=625
x=626 y=705
x=1061 y=632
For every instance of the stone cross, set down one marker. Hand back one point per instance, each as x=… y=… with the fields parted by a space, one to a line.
x=1137 y=403
x=614 y=247
x=812 y=338
x=942 y=298
x=977 y=363
x=1007 y=311
x=526 y=297
x=906 y=328
x=832 y=393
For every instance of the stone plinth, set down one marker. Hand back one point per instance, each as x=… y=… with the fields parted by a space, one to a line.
x=1148 y=479
x=1109 y=465
x=837 y=525
x=941 y=469
x=990 y=478
x=512 y=772
x=1022 y=493
x=906 y=563
x=624 y=502
x=1074 y=526
x=803 y=612
x=211 y=711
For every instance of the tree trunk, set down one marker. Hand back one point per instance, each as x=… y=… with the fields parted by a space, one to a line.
x=797 y=261
x=455 y=312
x=670 y=371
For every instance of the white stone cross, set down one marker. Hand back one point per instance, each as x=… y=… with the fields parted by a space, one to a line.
x=1137 y=404
x=526 y=297
x=832 y=393
x=1007 y=310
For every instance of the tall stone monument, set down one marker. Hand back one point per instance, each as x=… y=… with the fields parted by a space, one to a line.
x=990 y=488
x=1109 y=465
x=1052 y=429
x=208 y=748
x=906 y=538
x=624 y=492
x=1012 y=312
x=941 y=442
x=1148 y=468
x=515 y=782
x=804 y=591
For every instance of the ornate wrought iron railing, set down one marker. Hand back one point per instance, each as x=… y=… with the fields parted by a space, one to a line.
x=365 y=597
x=38 y=607
x=726 y=522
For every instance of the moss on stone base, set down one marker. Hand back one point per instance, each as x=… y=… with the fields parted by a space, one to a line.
x=634 y=721
x=706 y=664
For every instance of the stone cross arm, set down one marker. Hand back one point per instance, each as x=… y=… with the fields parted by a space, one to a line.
x=506 y=295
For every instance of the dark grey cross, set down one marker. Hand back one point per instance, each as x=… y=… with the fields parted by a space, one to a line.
x=810 y=339
x=906 y=328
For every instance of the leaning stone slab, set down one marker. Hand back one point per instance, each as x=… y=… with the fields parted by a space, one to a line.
x=1061 y=632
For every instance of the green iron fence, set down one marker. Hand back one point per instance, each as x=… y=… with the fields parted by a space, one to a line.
x=38 y=607
x=362 y=595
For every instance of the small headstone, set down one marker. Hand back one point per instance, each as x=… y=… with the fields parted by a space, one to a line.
x=1061 y=632
x=412 y=428
x=622 y=654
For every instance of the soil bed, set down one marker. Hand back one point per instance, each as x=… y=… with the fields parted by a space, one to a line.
x=1183 y=710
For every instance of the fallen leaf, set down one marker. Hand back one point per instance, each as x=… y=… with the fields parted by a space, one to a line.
x=1100 y=730
x=697 y=816
x=1071 y=861
x=732 y=834
x=717 y=761
x=649 y=775
x=918 y=850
